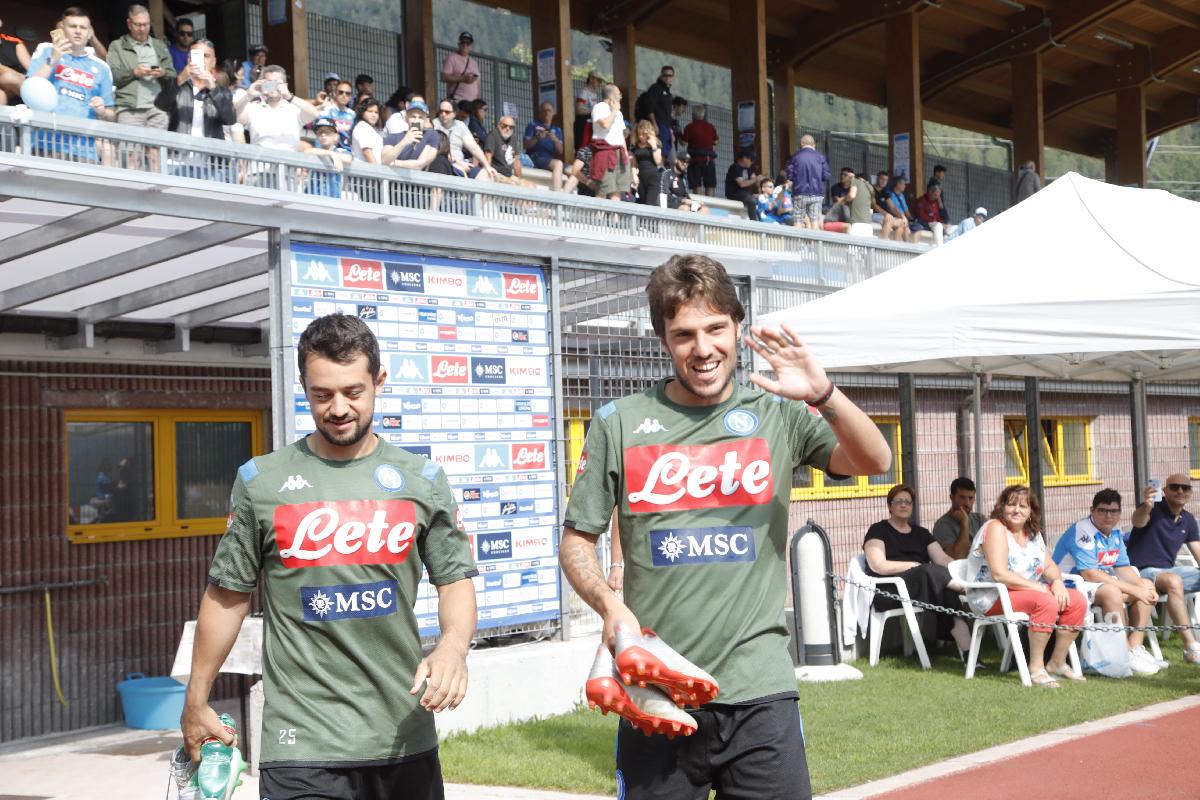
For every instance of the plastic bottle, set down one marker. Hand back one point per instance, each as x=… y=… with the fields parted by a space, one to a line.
x=221 y=766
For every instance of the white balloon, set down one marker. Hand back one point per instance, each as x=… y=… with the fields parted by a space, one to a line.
x=39 y=94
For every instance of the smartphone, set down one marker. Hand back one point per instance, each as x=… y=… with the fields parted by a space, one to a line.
x=1157 y=484
x=415 y=125
x=196 y=58
x=57 y=35
x=270 y=86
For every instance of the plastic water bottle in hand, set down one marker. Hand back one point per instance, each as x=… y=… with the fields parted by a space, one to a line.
x=221 y=766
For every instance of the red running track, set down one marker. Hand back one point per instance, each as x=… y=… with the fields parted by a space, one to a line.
x=1154 y=758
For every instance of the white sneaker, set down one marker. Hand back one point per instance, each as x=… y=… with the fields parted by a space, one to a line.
x=1141 y=662
x=1192 y=654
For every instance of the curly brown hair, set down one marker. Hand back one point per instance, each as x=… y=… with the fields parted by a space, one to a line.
x=684 y=278
x=1033 y=525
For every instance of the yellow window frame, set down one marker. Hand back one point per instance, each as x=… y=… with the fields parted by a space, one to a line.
x=1193 y=427
x=1053 y=449
x=166 y=524
x=861 y=487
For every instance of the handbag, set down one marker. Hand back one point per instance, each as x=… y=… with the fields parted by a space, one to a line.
x=1106 y=652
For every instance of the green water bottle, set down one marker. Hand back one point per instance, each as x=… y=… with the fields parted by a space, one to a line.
x=221 y=766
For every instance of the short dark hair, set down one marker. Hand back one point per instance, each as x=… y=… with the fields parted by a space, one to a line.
x=74 y=11
x=666 y=67
x=340 y=338
x=847 y=169
x=1107 y=496
x=939 y=168
x=363 y=77
x=184 y=21
x=476 y=104
x=689 y=277
x=961 y=485
x=679 y=101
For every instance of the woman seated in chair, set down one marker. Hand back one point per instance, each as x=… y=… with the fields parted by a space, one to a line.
x=894 y=547
x=1010 y=549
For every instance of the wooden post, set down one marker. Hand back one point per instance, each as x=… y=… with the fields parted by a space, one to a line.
x=748 y=29
x=905 y=117
x=1028 y=122
x=550 y=28
x=287 y=41
x=624 y=55
x=785 y=114
x=1131 y=137
x=420 y=58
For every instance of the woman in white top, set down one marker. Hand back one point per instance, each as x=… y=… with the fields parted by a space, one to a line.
x=366 y=139
x=1010 y=549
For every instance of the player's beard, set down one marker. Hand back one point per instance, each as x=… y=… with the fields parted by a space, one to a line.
x=352 y=438
x=714 y=390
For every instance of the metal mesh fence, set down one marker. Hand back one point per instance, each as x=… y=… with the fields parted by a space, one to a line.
x=254 y=20
x=350 y=49
x=502 y=82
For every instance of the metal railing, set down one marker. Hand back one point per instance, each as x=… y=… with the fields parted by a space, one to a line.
x=814 y=258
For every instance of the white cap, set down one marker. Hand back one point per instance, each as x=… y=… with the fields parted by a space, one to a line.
x=981 y=212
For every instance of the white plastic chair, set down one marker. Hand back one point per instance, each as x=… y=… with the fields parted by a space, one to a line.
x=1004 y=622
x=895 y=585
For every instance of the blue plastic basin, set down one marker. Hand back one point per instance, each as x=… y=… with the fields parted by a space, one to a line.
x=151 y=703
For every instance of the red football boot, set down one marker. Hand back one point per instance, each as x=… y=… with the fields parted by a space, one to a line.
x=647 y=708
x=648 y=660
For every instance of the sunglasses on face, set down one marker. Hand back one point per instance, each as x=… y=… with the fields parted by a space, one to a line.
x=1179 y=487
x=445 y=110
x=183 y=34
x=1108 y=511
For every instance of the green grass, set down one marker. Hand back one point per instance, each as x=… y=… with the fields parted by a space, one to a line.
x=856 y=730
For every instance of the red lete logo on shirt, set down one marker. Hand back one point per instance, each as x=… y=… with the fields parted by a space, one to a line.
x=74 y=76
x=334 y=533
x=677 y=477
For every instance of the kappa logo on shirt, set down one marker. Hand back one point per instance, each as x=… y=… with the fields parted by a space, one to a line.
x=295 y=483
x=650 y=426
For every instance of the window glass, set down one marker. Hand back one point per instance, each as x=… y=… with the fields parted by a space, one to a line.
x=891 y=434
x=1014 y=450
x=1194 y=444
x=1074 y=447
x=110 y=471
x=207 y=456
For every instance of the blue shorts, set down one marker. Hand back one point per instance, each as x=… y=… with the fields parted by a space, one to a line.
x=1189 y=575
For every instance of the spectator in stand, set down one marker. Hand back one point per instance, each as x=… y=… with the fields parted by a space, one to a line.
x=956 y=529
x=461 y=140
x=701 y=138
x=773 y=203
x=1094 y=549
x=364 y=86
x=252 y=68
x=442 y=164
x=229 y=76
x=880 y=215
x=589 y=95
x=461 y=72
x=939 y=179
x=397 y=102
x=14 y=62
x=896 y=204
x=970 y=223
x=861 y=197
x=647 y=156
x=502 y=151
x=679 y=107
x=333 y=151
x=543 y=142
x=141 y=69
x=657 y=107
x=895 y=547
x=337 y=108
x=181 y=43
x=462 y=111
x=272 y=114
x=366 y=138
x=837 y=218
x=1160 y=530
x=809 y=171
x=195 y=104
x=1011 y=550
x=929 y=211
x=581 y=181
x=609 y=157
x=396 y=125
x=418 y=146
x=328 y=86
x=478 y=120
x=741 y=181
x=676 y=189
x=1028 y=181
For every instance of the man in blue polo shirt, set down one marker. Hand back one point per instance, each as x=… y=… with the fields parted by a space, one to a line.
x=1159 y=530
x=83 y=82
x=1094 y=549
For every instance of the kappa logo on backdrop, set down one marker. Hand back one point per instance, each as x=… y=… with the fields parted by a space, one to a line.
x=317 y=271
x=488 y=457
x=675 y=477
x=483 y=286
x=677 y=547
x=650 y=426
x=348 y=532
x=348 y=601
x=295 y=483
x=410 y=369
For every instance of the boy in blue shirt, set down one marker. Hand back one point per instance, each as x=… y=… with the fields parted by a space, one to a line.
x=1094 y=549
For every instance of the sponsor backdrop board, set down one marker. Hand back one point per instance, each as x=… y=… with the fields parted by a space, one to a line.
x=467 y=349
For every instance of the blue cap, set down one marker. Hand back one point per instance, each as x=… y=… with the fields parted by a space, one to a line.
x=324 y=122
x=418 y=105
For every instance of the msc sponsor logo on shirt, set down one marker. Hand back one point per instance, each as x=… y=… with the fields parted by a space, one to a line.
x=404 y=277
x=360 y=274
x=487 y=370
x=521 y=287
x=348 y=601
x=675 y=547
x=677 y=477
x=344 y=532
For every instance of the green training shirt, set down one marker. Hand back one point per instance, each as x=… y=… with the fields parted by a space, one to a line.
x=340 y=546
x=702 y=495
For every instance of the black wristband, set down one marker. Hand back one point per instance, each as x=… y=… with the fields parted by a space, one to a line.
x=824 y=398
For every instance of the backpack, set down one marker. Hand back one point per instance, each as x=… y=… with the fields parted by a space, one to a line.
x=641 y=108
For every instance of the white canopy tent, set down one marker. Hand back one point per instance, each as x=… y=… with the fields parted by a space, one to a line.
x=1081 y=281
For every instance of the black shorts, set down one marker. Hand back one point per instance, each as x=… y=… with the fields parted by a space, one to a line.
x=417 y=778
x=702 y=174
x=744 y=752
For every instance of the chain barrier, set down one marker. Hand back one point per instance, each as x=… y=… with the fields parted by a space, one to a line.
x=970 y=615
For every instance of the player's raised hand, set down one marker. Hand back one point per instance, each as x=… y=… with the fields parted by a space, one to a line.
x=798 y=374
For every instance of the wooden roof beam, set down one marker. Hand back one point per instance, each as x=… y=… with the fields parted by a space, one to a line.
x=1137 y=67
x=615 y=16
x=957 y=8
x=1180 y=110
x=1028 y=31
x=824 y=29
x=1172 y=12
